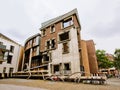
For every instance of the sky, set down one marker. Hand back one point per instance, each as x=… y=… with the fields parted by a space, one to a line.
x=100 y=19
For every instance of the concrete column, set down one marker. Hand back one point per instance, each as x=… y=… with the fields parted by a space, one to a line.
x=30 y=59
x=23 y=61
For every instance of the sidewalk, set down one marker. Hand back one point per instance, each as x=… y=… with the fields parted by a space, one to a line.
x=14 y=87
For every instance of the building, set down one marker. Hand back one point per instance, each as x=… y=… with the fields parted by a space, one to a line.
x=92 y=56
x=11 y=55
x=58 y=49
x=60 y=44
x=31 y=57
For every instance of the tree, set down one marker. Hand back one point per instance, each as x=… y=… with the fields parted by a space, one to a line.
x=117 y=59
x=103 y=61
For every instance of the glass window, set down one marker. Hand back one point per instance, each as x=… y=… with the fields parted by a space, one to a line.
x=67 y=23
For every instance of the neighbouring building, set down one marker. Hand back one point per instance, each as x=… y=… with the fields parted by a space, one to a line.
x=89 y=59
x=32 y=57
x=92 y=56
x=11 y=53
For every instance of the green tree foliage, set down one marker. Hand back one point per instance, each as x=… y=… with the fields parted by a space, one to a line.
x=117 y=59
x=103 y=61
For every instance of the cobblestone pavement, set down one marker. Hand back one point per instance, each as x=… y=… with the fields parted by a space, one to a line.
x=24 y=84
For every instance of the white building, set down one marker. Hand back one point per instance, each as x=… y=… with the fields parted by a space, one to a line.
x=11 y=57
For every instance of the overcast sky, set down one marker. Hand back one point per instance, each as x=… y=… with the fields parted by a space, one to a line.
x=100 y=19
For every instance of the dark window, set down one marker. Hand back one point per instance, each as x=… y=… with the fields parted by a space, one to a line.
x=67 y=22
x=4 y=69
x=43 y=32
x=11 y=70
x=53 y=43
x=52 y=29
x=64 y=36
x=1 y=43
x=67 y=66
x=11 y=48
x=56 y=68
x=46 y=58
x=9 y=59
x=65 y=47
x=48 y=44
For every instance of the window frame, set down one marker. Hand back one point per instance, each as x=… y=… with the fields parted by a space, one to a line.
x=12 y=48
x=59 y=38
x=64 y=50
x=67 y=22
x=52 y=29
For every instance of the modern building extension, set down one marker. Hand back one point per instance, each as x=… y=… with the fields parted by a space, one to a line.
x=11 y=54
x=32 y=57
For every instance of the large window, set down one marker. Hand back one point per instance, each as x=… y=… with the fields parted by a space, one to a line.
x=64 y=36
x=9 y=59
x=67 y=22
x=11 y=48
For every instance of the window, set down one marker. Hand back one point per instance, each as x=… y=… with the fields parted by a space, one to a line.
x=56 y=69
x=1 y=43
x=9 y=59
x=53 y=43
x=45 y=58
x=11 y=70
x=43 y=32
x=67 y=66
x=34 y=51
x=64 y=36
x=4 y=69
x=48 y=44
x=65 y=48
x=11 y=48
x=52 y=29
x=67 y=23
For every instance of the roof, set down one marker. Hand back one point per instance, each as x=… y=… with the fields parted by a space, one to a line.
x=57 y=19
x=5 y=37
x=38 y=34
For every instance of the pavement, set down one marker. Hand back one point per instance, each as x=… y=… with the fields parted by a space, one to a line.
x=14 y=87
x=31 y=84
